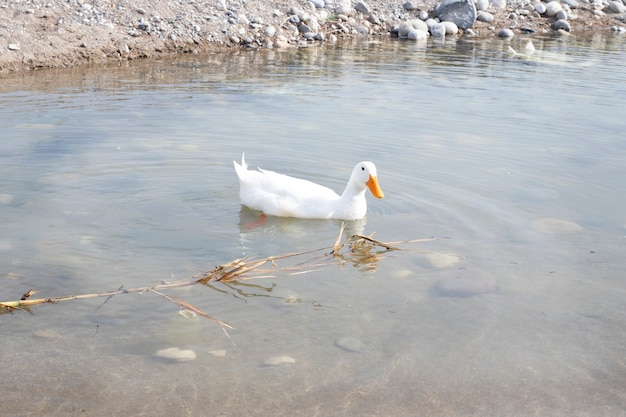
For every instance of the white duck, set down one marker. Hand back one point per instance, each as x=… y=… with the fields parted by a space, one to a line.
x=281 y=195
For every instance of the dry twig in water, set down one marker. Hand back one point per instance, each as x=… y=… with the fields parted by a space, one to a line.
x=236 y=270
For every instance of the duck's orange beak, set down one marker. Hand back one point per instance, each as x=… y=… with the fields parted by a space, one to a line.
x=372 y=184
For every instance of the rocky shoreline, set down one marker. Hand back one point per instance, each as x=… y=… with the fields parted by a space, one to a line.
x=37 y=34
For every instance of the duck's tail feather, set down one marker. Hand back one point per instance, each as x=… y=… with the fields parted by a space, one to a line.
x=241 y=169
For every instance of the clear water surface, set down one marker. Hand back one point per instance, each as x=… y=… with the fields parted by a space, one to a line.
x=122 y=176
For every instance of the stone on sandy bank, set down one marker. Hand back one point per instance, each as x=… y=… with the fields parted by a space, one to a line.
x=461 y=12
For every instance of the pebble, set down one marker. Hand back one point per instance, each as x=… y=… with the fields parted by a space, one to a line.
x=438 y=30
x=14 y=47
x=451 y=28
x=482 y=5
x=552 y=8
x=350 y=344
x=219 y=353
x=506 y=33
x=498 y=4
x=571 y=3
x=279 y=360
x=461 y=12
x=562 y=24
x=540 y=8
x=561 y=15
x=405 y=27
x=483 y=16
x=362 y=7
x=417 y=34
x=617 y=7
x=175 y=354
x=554 y=226
x=410 y=6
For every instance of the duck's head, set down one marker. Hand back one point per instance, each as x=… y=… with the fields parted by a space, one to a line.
x=364 y=175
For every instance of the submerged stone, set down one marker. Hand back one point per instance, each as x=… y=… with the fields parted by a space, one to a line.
x=554 y=226
x=279 y=360
x=175 y=354
x=350 y=344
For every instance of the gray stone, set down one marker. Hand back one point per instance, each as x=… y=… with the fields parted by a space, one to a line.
x=571 y=3
x=362 y=7
x=617 y=7
x=461 y=12
x=319 y=4
x=374 y=19
x=410 y=6
x=483 y=16
x=561 y=15
x=506 y=33
x=438 y=30
x=562 y=24
x=270 y=31
x=540 y=8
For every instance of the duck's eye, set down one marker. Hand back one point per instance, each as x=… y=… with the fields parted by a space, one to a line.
x=362 y=168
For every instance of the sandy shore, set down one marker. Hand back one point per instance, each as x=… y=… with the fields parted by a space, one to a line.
x=38 y=34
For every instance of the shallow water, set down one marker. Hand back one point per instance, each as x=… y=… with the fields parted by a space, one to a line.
x=122 y=176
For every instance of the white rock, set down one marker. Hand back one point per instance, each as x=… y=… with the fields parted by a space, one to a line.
x=498 y=4
x=14 y=47
x=417 y=34
x=451 y=28
x=482 y=4
x=442 y=260
x=553 y=8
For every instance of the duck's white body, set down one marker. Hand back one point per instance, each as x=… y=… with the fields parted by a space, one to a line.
x=282 y=195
